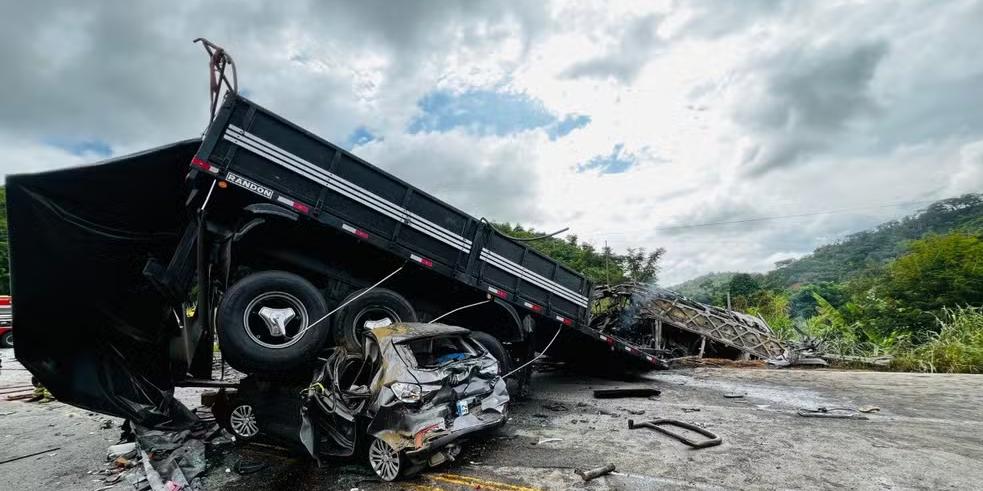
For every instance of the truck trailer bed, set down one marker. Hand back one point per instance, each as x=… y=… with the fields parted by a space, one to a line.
x=254 y=149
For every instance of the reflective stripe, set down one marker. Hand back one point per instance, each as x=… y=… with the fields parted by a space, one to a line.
x=531 y=272
x=535 y=280
x=342 y=186
x=532 y=277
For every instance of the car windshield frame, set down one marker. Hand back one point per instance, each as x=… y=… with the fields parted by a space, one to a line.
x=472 y=350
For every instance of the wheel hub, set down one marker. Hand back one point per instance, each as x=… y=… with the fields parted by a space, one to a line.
x=276 y=319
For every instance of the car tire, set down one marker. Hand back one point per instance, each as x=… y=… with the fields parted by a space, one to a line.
x=247 y=335
x=496 y=348
x=375 y=305
x=388 y=463
x=7 y=341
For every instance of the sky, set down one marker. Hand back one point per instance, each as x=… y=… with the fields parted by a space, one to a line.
x=636 y=124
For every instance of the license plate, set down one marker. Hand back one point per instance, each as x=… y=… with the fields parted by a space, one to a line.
x=463 y=407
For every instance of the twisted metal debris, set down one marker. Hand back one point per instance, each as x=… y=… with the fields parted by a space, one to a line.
x=637 y=312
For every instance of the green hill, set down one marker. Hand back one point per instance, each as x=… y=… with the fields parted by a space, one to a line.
x=861 y=251
x=834 y=264
x=701 y=287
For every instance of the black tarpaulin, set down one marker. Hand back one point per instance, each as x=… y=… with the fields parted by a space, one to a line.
x=89 y=325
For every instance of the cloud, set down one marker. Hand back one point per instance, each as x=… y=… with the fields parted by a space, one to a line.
x=749 y=109
x=485 y=176
x=638 y=43
x=802 y=98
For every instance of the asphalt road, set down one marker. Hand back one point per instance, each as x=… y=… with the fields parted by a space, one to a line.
x=928 y=434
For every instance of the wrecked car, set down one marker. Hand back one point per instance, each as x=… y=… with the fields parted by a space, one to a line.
x=405 y=402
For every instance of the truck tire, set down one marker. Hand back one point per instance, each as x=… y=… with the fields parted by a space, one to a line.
x=376 y=305
x=496 y=348
x=263 y=323
x=7 y=341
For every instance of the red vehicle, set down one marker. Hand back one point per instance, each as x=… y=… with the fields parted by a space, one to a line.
x=6 y=323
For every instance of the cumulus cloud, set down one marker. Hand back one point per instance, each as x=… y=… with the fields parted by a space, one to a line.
x=490 y=177
x=799 y=100
x=630 y=124
x=637 y=43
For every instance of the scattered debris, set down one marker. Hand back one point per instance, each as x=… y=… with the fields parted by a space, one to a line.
x=106 y=424
x=869 y=409
x=127 y=450
x=556 y=406
x=620 y=393
x=20 y=397
x=691 y=409
x=40 y=394
x=712 y=439
x=636 y=412
x=12 y=459
x=548 y=440
x=595 y=472
x=734 y=396
x=540 y=415
x=243 y=467
x=831 y=412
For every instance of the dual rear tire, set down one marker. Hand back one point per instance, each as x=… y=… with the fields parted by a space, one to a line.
x=273 y=321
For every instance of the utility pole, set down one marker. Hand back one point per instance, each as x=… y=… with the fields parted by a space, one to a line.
x=607 y=275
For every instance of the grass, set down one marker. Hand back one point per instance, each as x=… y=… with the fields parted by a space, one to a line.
x=956 y=348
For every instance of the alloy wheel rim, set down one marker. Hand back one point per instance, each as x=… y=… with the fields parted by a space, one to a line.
x=243 y=421
x=384 y=460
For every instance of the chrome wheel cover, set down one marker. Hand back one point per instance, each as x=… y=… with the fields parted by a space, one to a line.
x=372 y=313
x=258 y=330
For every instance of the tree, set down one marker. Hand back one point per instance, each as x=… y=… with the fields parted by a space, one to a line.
x=641 y=267
x=910 y=293
x=743 y=285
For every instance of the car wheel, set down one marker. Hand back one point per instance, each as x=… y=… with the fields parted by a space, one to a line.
x=242 y=422
x=237 y=417
x=7 y=341
x=375 y=306
x=263 y=322
x=496 y=348
x=385 y=460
